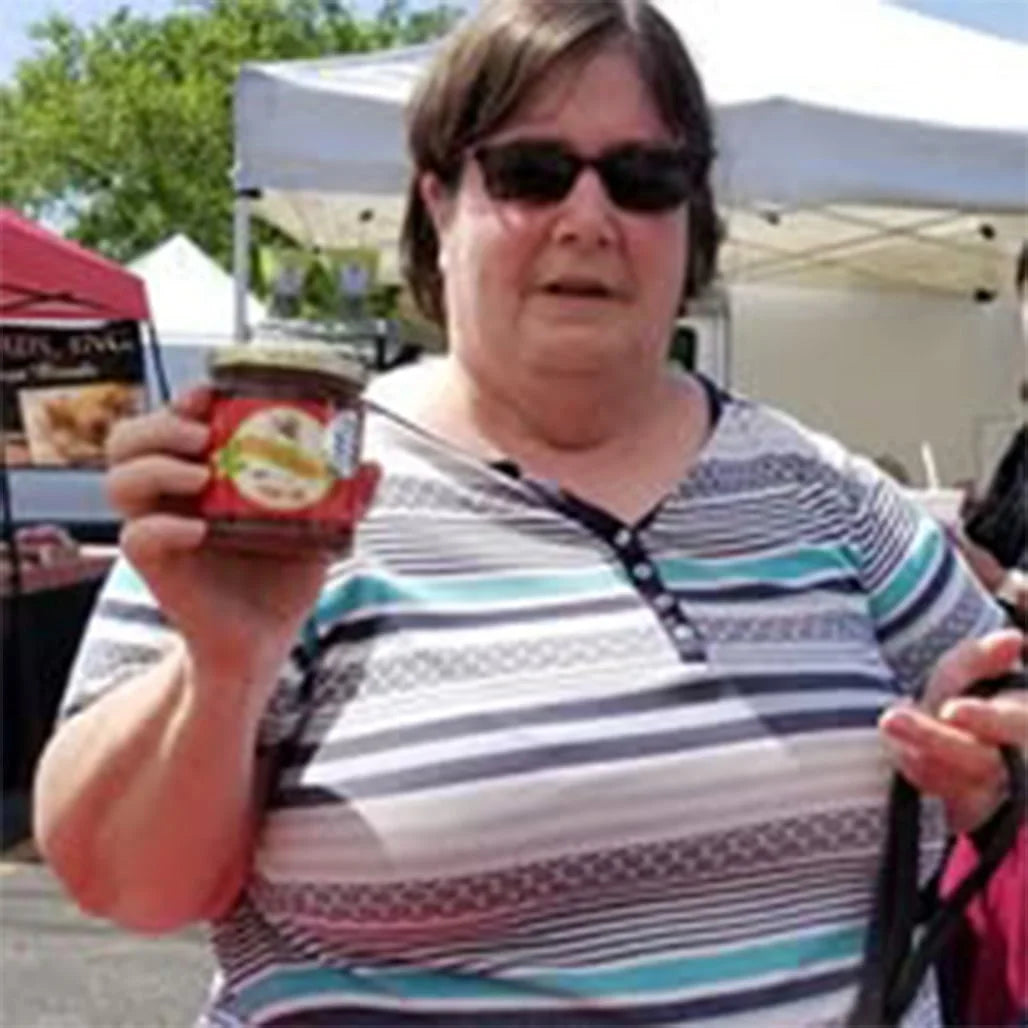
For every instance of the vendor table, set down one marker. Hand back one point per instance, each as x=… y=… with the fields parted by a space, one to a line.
x=42 y=627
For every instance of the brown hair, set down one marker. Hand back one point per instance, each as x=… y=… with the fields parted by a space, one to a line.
x=490 y=65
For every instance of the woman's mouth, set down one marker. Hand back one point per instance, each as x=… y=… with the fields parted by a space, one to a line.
x=579 y=289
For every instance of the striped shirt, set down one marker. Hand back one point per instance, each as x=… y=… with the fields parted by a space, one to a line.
x=538 y=767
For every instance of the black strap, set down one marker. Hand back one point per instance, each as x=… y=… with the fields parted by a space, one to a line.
x=893 y=968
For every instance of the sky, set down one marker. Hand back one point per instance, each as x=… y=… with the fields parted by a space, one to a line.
x=16 y=16
x=1007 y=18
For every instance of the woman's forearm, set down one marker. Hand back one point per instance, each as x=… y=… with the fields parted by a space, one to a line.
x=145 y=804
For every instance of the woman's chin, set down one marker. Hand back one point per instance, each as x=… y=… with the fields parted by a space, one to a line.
x=578 y=349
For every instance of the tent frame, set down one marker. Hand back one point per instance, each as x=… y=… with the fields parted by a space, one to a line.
x=241 y=235
x=816 y=105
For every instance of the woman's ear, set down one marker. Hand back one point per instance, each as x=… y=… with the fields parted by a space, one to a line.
x=438 y=201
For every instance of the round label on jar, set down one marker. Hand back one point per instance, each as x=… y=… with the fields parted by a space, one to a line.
x=275 y=459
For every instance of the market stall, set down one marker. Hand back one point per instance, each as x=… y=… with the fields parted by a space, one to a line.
x=72 y=348
x=859 y=143
x=871 y=177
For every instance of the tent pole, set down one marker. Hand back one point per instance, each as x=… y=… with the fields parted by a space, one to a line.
x=163 y=389
x=726 y=331
x=241 y=261
x=17 y=681
x=10 y=536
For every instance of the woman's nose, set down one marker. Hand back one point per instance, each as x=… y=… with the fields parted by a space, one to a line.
x=586 y=214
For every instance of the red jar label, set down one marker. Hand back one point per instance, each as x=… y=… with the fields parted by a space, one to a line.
x=280 y=459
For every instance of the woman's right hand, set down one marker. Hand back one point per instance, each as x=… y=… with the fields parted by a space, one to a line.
x=238 y=613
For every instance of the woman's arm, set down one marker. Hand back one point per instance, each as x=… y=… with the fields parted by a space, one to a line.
x=940 y=632
x=146 y=803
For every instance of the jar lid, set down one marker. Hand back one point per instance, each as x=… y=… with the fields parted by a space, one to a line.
x=319 y=360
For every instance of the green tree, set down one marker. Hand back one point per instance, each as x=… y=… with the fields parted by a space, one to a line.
x=123 y=130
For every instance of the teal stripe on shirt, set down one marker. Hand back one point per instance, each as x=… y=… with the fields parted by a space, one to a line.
x=786 y=567
x=378 y=590
x=658 y=976
x=925 y=550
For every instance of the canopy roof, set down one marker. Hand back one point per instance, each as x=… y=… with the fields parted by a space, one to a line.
x=859 y=142
x=191 y=296
x=44 y=277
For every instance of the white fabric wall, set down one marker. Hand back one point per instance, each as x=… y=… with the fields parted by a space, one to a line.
x=883 y=371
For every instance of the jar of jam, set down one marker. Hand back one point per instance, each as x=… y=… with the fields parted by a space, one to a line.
x=286 y=427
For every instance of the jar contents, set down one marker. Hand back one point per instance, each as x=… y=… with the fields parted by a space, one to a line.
x=286 y=427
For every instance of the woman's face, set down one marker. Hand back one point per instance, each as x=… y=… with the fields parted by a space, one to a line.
x=573 y=287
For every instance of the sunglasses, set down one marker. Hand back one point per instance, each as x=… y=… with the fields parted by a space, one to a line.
x=645 y=178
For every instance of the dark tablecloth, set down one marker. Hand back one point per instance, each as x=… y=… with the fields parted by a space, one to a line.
x=41 y=633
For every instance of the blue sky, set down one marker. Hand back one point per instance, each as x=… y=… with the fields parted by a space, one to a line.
x=18 y=15
x=1007 y=18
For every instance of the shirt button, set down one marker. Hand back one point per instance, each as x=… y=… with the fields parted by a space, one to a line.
x=623 y=538
x=664 y=602
x=643 y=572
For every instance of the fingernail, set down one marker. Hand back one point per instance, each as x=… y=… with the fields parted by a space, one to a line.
x=961 y=711
x=899 y=723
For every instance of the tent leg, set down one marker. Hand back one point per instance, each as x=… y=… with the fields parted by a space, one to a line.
x=241 y=263
x=728 y=341
x=163 y=389
x=16 y=679
x=9 y=529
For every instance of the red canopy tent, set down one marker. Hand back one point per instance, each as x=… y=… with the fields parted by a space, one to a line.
x=44 y=277
x=59 y=293
x=63 y=293
x=46 y=282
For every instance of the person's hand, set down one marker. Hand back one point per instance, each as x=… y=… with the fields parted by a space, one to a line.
x=238 y=613
x=947 y=746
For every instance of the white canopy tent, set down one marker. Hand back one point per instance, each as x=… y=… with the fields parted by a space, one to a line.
x=192 y=301
x=860 y=143
x=191 y=297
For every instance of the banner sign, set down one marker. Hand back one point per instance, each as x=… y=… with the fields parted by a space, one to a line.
x=62 y=391
x=285 y=272
x=329 y=285
x=354 y=271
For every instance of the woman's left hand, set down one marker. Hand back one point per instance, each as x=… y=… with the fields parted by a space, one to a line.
x=947 y=745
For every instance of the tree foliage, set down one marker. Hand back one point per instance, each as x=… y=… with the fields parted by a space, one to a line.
x=122 y=131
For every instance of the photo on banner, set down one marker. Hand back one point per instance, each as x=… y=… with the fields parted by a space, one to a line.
x=285 y=270
x=64 y=389
x=354 y=274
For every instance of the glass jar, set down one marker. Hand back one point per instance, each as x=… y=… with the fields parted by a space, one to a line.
x=286 y=427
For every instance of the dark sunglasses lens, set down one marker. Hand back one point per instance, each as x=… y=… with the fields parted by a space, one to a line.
x=530 y=172
x=647 y=178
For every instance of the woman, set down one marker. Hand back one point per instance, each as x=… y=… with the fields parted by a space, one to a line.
x=583 y=731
